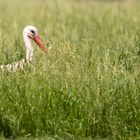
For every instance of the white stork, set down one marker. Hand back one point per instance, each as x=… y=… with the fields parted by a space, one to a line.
x=29 y=33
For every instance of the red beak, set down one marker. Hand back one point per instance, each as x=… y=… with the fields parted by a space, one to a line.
x=40 y=43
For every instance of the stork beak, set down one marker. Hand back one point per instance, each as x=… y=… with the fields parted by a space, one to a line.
x=40 y=43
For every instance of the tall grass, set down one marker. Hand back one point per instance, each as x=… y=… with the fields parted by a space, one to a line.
x=87 y=85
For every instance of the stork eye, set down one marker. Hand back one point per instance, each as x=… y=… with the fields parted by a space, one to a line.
x=32 y=32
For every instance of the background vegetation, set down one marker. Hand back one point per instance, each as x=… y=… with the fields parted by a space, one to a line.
x=88 y=84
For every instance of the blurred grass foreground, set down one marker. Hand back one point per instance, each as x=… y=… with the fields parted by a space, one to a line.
x=88 y=86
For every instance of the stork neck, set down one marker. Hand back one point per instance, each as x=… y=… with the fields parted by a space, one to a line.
x=29 y=48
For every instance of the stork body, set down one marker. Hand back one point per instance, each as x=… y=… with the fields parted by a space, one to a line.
x=29 y=33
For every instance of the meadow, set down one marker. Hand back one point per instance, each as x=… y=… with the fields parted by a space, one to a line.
x=87 y=86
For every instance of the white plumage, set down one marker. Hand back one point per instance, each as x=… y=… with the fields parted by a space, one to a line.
x=29 y=33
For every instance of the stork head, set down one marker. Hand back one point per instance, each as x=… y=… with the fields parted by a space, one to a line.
x=31 y=33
